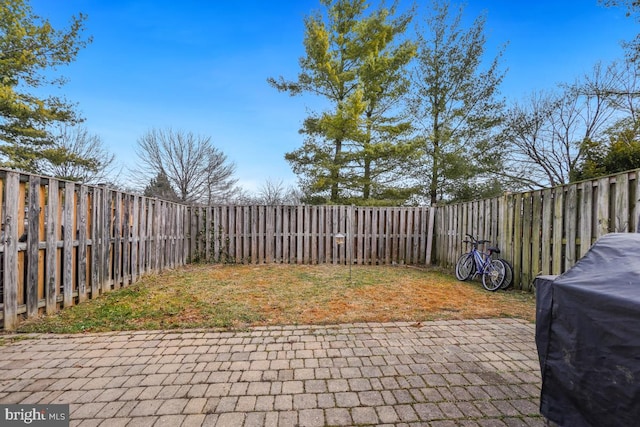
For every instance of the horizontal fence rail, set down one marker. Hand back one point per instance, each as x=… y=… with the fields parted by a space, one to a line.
x=544 y=231
x=307 y=234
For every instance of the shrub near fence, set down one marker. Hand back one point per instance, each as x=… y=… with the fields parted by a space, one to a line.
x=63 y=243
x=544 y=231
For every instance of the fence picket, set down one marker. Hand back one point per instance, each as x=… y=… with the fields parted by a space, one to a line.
x=33 y=238
x=570 y=221
x=52 y=277
x=67 y=270
x=585 y=217
x=82 y=244
x=11 y=273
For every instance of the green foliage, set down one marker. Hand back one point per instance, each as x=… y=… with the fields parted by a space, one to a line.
x=466 y=190
x=621 y=154
x=160 y=187
x=454 y=105
x=354 y=150
x=30 y=47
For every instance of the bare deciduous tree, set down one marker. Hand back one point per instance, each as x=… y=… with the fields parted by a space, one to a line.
x=198 y=171
x=273 y=192
x=77 y=155
x=551 y=130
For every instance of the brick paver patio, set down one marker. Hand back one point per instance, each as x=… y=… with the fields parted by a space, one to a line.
x=441 y=373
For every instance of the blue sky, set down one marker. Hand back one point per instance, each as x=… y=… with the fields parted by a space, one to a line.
x=201 y=66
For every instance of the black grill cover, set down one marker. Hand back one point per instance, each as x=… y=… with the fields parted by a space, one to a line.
x=588 y=337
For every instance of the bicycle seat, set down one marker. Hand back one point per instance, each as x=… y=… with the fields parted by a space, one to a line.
x=493 y=250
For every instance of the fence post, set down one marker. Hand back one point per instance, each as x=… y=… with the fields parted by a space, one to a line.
x=430 y=229
x=10 y=303
x=52 y=276
x=33 y=238
x=67 y=270
x=82 y=243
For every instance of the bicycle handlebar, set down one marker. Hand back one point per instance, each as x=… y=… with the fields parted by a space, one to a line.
x=474 y=240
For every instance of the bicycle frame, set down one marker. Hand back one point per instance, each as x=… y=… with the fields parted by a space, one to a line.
x=477 y=262
x=481 y=259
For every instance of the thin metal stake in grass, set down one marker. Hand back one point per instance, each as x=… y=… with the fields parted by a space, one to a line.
x=340 y=241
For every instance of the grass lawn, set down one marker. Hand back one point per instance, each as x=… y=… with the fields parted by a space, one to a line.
x=238 y=296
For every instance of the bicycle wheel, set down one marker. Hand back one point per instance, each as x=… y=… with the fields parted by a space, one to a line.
x=493 y=276
x=508 y=276
x=465 y=267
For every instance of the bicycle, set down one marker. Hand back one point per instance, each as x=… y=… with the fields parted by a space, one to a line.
x=493 y=270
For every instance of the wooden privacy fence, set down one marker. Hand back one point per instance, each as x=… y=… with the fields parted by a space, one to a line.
x=544 y=231
x=63 y=243
x=306 y=234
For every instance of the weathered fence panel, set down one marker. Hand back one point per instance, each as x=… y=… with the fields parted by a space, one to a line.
x=63 y=242
x=544 y=231
x=306 y=234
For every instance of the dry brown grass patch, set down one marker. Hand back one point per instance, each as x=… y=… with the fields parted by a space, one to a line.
x=233 y=296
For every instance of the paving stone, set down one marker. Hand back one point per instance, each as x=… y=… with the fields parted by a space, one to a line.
x=364 y=416
x=287 y=418
x=406 y=413
x=468 y=373
x=172 y=406
x=110 y=409
x=315 y=386
x=338 y=417
x=227 y=404
x=195 y=405
x=326 y=400
x=292 y=387
x=254 y=419
x=126 y=408
x=387 y=414
x=347 y=399
x=305 y=401
x=85 y=410
x=169 y=420
x=246 y=404
x=337 y=385
x=121 y=422
x=283 y=402
x=312 y=418
x=145 y=407
x=265 y=403
x=194 y=420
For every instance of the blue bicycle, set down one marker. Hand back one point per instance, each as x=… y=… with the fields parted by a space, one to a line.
x=474 y=263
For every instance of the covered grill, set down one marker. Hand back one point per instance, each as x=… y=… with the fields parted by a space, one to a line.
x=588 y=337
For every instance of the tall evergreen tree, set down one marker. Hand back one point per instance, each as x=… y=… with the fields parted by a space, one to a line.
x=29 y=49
x=161 y=187
x=352 y=62
x=454 y=104
x=381 y=148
